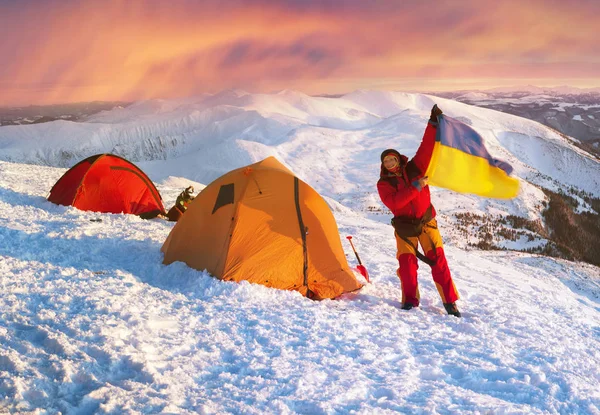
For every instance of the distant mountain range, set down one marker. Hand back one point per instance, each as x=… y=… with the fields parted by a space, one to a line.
x=532 y=89
x=35 y=114
x=572 y=111
x=334 y=144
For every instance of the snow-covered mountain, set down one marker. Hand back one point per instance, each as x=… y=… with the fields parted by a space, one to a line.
x=532 y=89
x=337 y=141
x=92 y=322
x=34 y=114
x=246 y=127
x=574 y=112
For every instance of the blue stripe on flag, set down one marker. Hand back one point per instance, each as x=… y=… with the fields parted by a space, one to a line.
x=453 y=133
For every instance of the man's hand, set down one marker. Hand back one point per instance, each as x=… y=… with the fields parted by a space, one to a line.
x=421 y=183
x=435 y=111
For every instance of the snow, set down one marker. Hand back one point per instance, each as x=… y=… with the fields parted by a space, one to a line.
x=91 y=321
x=474 y=96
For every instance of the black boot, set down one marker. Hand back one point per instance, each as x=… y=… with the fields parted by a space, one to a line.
x=407 y=306
x=452 y=309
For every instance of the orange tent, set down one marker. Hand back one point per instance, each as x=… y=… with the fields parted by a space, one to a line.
x=262 y=224
x=108 y=183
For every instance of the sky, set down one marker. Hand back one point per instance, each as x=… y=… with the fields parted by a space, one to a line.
x=65 y=51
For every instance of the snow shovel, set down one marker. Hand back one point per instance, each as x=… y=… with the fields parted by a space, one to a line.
x=360 y=267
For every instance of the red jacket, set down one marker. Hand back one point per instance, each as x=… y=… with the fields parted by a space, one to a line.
x=398 y=193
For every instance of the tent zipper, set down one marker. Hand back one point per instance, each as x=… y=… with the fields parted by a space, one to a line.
x=302 y=234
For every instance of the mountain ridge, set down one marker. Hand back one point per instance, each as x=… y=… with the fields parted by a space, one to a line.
x=336 y=141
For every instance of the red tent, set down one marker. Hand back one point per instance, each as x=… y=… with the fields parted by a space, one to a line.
x=108 y=183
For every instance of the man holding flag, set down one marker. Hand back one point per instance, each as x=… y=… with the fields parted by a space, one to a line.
x=451 y=155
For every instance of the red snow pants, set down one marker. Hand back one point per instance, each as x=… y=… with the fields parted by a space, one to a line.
x=431 y=241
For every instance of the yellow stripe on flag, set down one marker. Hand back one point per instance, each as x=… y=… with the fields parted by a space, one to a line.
x=456 y=170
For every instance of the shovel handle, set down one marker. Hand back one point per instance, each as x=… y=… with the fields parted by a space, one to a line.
x=354 y=249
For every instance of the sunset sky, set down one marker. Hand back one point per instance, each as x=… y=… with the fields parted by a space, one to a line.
x=56 y=51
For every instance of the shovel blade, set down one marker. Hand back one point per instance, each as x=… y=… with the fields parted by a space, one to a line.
x=363 y=271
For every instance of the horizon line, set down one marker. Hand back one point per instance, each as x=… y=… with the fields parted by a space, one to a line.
x=425 y=90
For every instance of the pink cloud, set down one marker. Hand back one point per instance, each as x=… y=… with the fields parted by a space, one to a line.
x=56 y=51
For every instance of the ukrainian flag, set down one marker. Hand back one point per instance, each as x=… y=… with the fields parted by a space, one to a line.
x=460 y=162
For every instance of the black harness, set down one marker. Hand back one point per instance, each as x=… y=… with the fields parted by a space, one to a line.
x=411 y=227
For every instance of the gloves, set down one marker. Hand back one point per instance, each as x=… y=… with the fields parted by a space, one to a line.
x=435 y=111
x=421 y=183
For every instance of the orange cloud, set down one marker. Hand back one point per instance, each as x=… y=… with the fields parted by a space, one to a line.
x=60 y=51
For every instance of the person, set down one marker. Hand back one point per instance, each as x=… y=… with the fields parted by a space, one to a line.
x=404 y=189
x=181 y=204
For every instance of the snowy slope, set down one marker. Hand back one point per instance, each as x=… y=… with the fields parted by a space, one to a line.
x=92 y=322
x=332 y=143
x=242 y=128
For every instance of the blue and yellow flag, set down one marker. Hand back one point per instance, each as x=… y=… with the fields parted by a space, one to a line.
x=460 y=162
